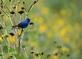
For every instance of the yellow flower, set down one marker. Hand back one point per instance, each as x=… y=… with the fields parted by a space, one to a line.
x=65 y=50
x=1 y=39
x=18 y=7
x=54 y=57
x=78 y=27
x=5 y=18
x=38 y=19
x=59 y=23
x=42 y=28
x=65 y=12
x=66 y=39
x=44 y=10
x=11 y=39
x=81 y=13
x=64 y=33
x=49 y=34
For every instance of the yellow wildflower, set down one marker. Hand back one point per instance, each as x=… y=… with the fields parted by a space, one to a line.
x=42 y=28
x=11 y=39
x=59 y=23
x=65 y=33
x=54 y=57
x=65 y=12
x=64 y=49
x=44 y=10
x=38 y=19
x=1 y=39
x=18 y=7
x=81 y=13
x=49 y=34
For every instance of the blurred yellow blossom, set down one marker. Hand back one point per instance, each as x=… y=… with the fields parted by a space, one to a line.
x=45 y=10
x=63 y=31
x=81 y=13
x=5 y=18
x=1 y=39
x=58 y=23
x=78 y=27
x=66 y=39
x=38 y=19
x=42 y=28
x=65 y=50
x=64 y=34
x=54 y=57
x=18 y=6
x=11 y=39
x=65 y=12
x=49 y=34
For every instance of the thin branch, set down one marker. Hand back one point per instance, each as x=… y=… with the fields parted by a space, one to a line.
x=19 y=42
x=32 y=6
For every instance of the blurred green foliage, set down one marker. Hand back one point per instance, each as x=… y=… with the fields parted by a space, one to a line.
x=56 y=33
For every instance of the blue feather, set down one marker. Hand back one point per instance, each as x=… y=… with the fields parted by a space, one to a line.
x=23 y=24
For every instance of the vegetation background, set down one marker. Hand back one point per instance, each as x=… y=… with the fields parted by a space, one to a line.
x=56 y=33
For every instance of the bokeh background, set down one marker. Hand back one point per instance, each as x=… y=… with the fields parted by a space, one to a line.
x=57 y=29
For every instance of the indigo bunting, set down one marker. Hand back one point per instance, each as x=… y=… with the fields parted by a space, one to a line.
x=23 y=24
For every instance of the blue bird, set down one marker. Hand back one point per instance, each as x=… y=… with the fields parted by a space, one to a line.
x=23 y=24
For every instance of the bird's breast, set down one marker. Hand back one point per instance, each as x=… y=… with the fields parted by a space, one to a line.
x=23 y=25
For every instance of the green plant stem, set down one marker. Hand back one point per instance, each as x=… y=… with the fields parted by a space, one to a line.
x=19 y=41
x=34 y=2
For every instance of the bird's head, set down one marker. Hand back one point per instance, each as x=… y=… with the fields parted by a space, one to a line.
x=29 y=21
